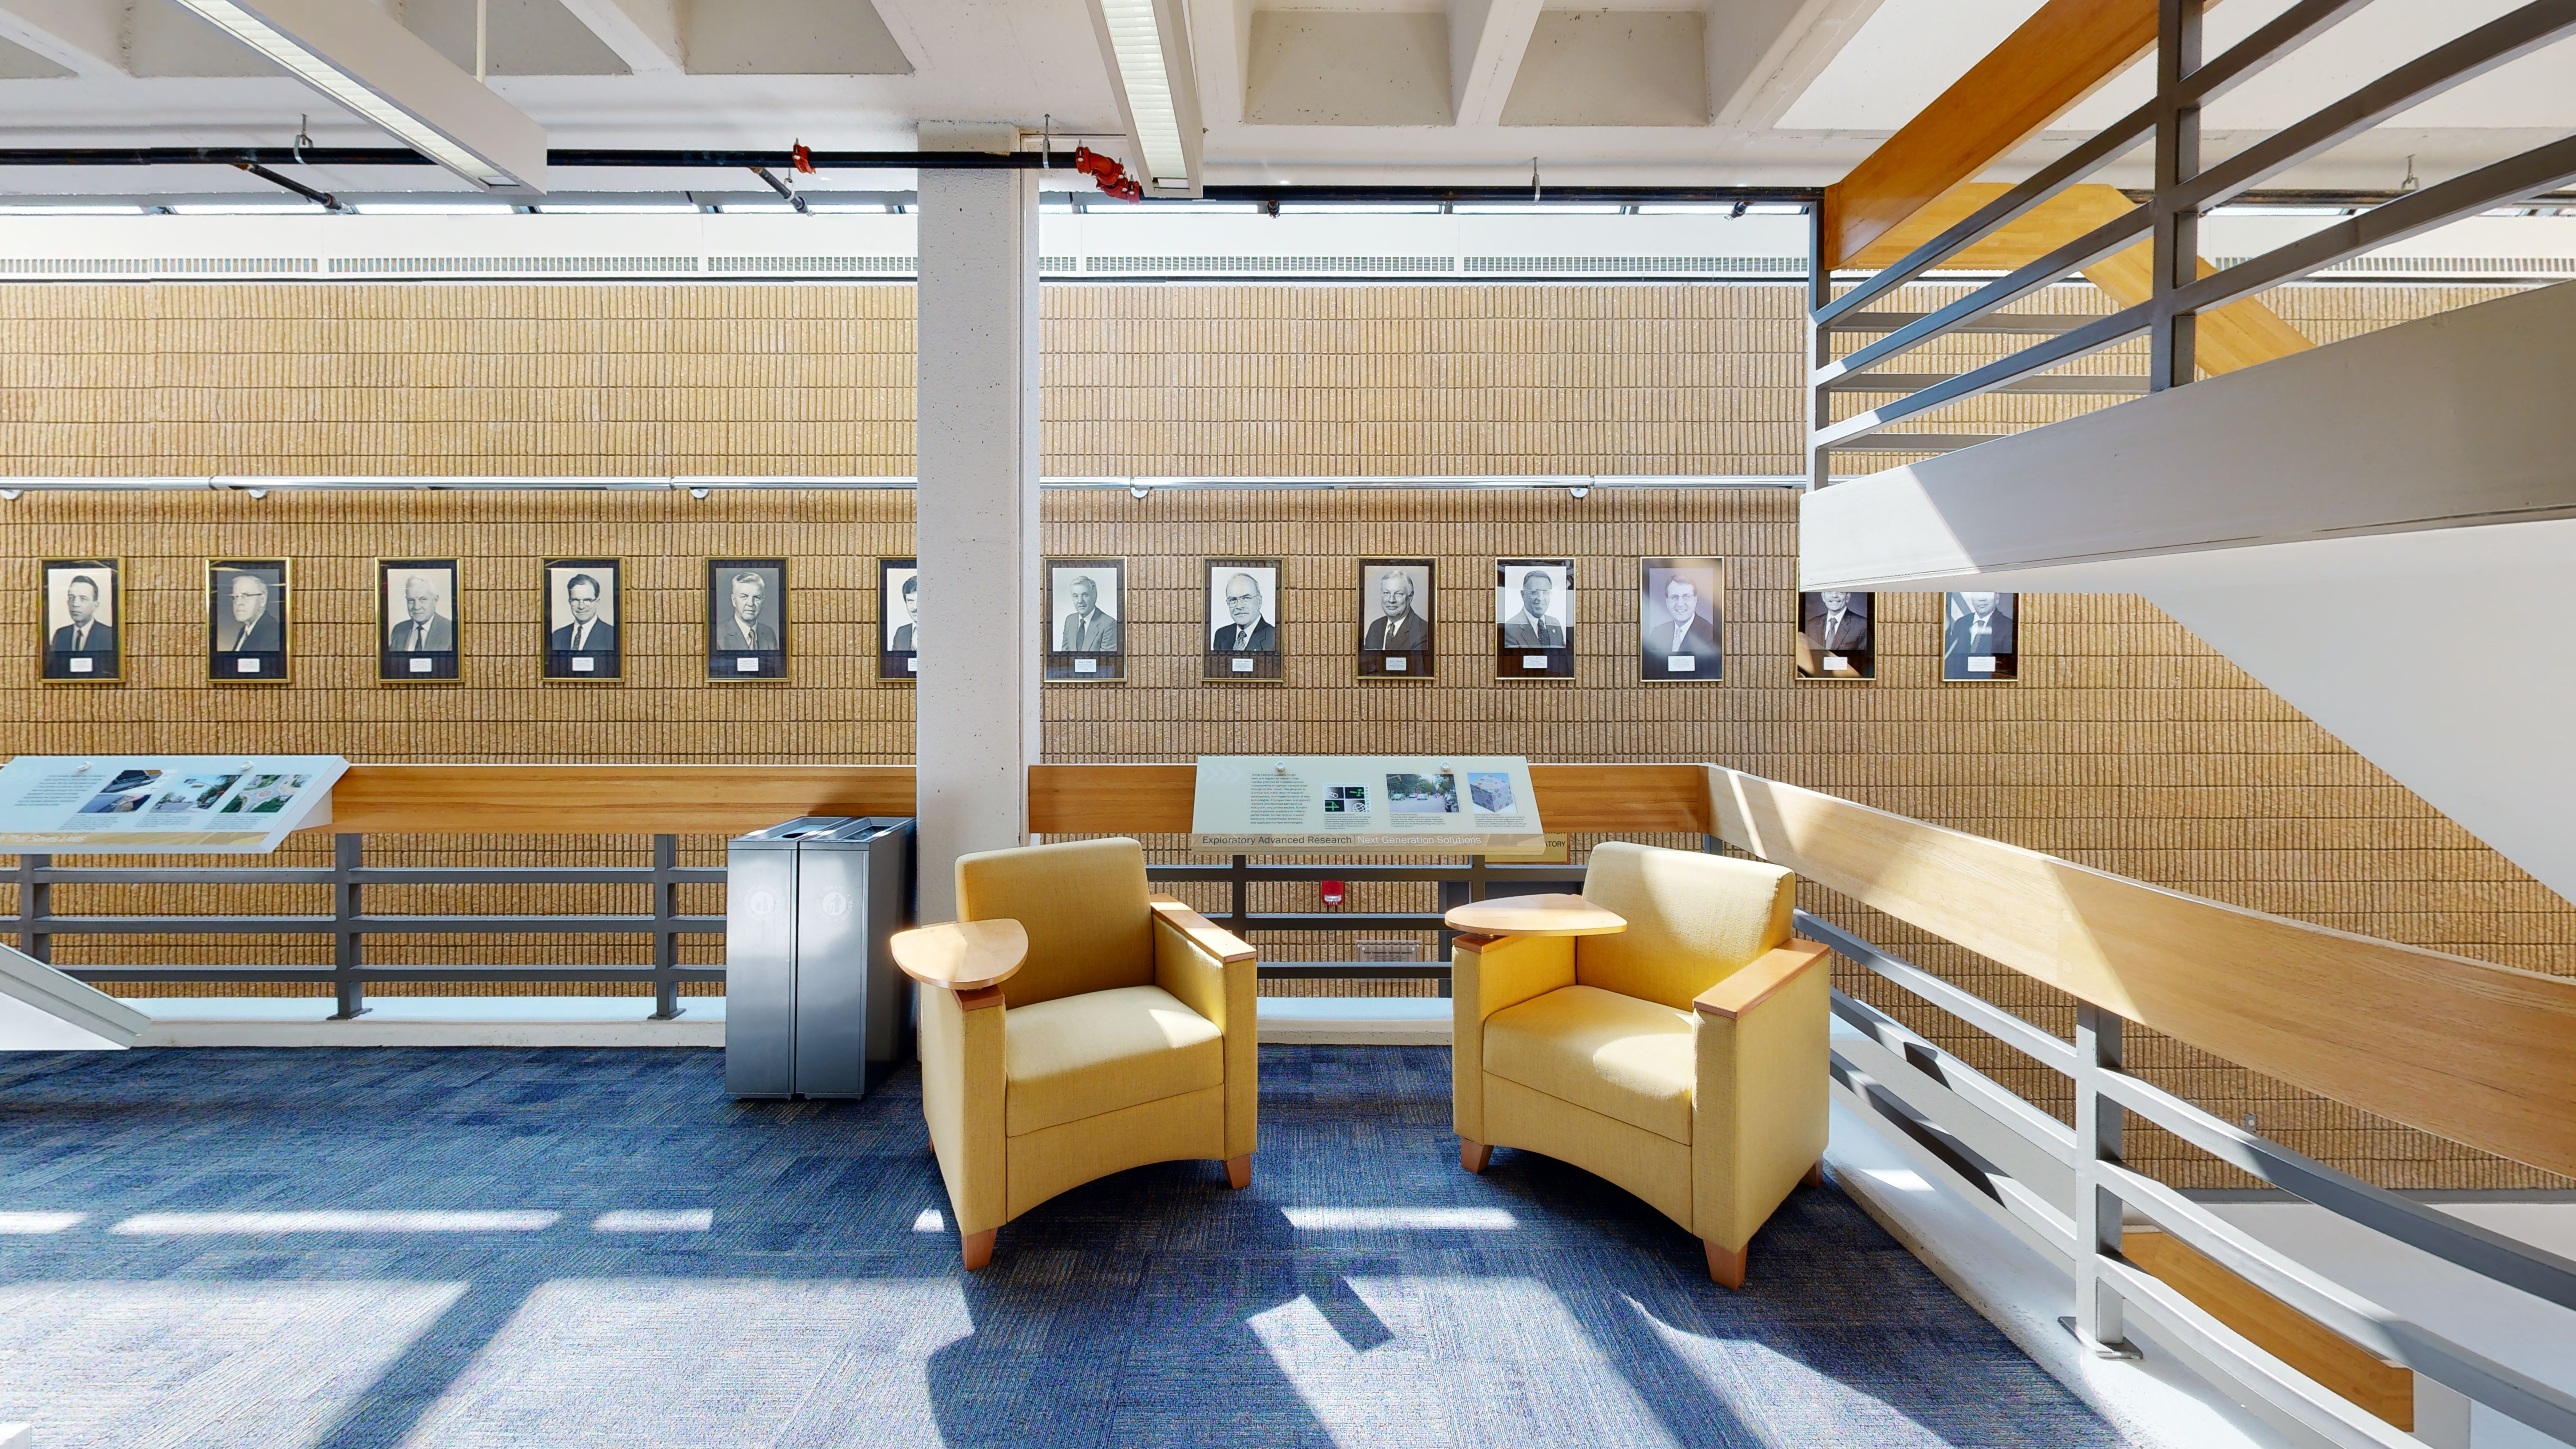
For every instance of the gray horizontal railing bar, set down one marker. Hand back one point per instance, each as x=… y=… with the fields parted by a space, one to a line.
x=378 y=875
x=1333 y=920
x=325 y=975
x=2067 y=346
x=1991 y=322
x=2495 y=43
x=2048 y=1050
x=371 y=925
x=1949 y=1147
x=2384 y=225
x=2113 y=236
x=2043 y=1176
x=2004 y=1201
x=1903 y=382
x=2375 y=1330
x=2281 y=1395
x=2049 y=181
x=1353 y=971
x=2008 y=1108
x=2457 y=1241
x=2276 y=38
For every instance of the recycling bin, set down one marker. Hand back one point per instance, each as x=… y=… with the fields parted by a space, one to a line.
x=814 y=1004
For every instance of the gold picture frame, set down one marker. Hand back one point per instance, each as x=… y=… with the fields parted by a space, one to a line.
x=587 y=656
x=233 y=640
x=56 y=622
x=730 y=658
x=400 y=663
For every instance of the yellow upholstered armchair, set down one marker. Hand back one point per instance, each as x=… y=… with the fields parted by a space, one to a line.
x=1683 y=1058
x=1076 y=1026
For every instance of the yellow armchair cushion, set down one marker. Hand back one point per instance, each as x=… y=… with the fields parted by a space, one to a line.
x=1084 y=906
x=1079 y=1056
x=1693 y=920
x=1616 y=1055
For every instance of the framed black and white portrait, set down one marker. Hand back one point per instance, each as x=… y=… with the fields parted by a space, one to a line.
x=416 y=604
x=1241 y=624
x=746 y=606
x=1980 y=638
x=1396 y=615
x=1534 y=618
x=1681 y=606
x=1837 y=635
x=584 y=612
x=1086 y=604
x=84 y=608
x=899 y=619
x=247 y=621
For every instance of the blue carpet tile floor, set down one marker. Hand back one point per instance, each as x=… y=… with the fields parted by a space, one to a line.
x=572 y=1248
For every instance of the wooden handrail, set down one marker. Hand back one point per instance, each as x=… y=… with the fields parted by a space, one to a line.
x=405 y=799
x=2469 y=1050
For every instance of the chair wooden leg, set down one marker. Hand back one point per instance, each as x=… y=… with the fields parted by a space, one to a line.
x=1725 y=1265
x=1238 y=1172
x=977 y=1248
x=1815 y=1175
x=1473 y=1155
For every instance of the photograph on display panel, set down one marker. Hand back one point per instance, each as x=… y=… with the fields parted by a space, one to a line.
x=1534 y=618
x=1085 y=600
x=247 y=621
x=1242 y=620
x=1395 y=611
x=416 y=621
x=1980 y=638
x=583 y=615
x=898 y=619
x=746 y=607
x=83 y=608
x=1837 y=635
x=1681 y=603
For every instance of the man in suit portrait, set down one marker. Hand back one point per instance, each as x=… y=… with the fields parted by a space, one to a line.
x=586 y=634
x=1247 y=632
x=1681 y=634
x=1088 y=629
x=249 y=627
x=84 y=634
x=907 y=637
x=1983 y=630
x=421 y=630
x=1837 y=622
x=1397 y=629
x=1531 y=628
x=743 y=630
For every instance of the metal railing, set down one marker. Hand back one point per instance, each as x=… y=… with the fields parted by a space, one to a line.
x=349 y=923
x=2170 y=219
x=2065 y=1192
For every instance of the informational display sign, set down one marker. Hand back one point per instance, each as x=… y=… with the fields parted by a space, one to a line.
x=1365 y=805
x=137 y=805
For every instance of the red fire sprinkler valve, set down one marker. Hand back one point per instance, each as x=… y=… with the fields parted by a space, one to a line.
x=1332 y=892
x=1112 y=177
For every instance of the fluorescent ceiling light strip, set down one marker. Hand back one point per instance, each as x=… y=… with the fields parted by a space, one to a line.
x=1137 y=41
x=335 y=1221
x=340 y=86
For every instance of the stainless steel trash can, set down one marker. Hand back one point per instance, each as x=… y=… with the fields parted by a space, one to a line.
x=814 y=1004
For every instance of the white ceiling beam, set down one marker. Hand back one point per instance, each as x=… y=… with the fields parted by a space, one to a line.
x=85 y=37
x=1487 y=39
x=1221 y=42
x=646 y=34
x=367 y=62
x=1763 y=54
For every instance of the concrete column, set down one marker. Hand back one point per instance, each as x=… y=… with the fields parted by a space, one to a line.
x=977 y=698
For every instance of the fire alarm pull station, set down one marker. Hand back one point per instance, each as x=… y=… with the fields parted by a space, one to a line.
x=1332 y=890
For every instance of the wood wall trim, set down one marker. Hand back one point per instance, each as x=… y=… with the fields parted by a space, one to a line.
x=2469 y=1050
x=2055 y=59
x=607 y=799
x=2384 y=1389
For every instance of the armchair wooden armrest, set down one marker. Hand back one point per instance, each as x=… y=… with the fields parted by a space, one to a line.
x=971 y=958
x=1760 y=978
x=1201 y=932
